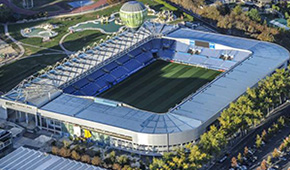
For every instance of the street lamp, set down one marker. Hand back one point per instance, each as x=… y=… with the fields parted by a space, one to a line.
x=81 y=6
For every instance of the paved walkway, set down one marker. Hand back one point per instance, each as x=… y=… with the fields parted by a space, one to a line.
x=61 y=44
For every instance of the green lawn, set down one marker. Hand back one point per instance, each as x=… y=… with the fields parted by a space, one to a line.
x=12 y=74
x=160 y=86
x=64 y=24
x=78 y=40
x=1 y=29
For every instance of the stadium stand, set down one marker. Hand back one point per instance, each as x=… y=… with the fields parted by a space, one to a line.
x=121 y=68
x=111 y=74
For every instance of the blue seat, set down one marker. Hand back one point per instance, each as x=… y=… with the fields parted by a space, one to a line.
x=156 y=44
x=110 y=66
x=166 y=54
x=136 y=52
x=167 y=43
x=148 y=45
x=90 y=90
x=119 y=72
x=123 y=59
x=82 y=82
x=77 y=92
x=132 y=65
x=97 y=74
x=144 y=57
x=108 y=78
x=101 y=83
x=69 y=89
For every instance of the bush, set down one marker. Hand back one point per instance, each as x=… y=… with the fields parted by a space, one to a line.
x=86 y=159
x=55 y=150
x=96 y=161
x=75 y=155
x=117 y=166
x=64 y=152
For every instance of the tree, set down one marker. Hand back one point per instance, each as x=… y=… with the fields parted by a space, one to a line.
x=286 y=15
x=112 y=156
x=264 y=135
x=197 y=156
x=246 y=151
x=254 y=15
x=117 y=166
x=157 y=164
x=6 y=13
x=64 y=152
x=75 y=155
x=86 y=159
x=288 y=22
x=123 y=160
x=263 y=165
x=269 y=159
x=281 y=121
x=266 y=36
x=275 y=153
x=54 y=150
x=237 y=10
x=213 y=140
x=282 y=147
x=240 y=158
x=96 y=161
x=258 y=141
x=234 y=162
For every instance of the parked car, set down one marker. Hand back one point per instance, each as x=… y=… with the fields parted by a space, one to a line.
x=223 y=159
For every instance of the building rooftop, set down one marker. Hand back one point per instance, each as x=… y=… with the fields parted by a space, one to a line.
x=197 y=108
x=24 y=158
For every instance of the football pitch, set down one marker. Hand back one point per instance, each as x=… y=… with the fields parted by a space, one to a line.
x=160 y=86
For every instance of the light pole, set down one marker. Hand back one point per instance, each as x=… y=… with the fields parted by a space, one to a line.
x=81 y=6
x=168 y=140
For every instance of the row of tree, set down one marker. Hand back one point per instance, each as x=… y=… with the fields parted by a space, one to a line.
x=267 y=134
x=246 y=112
x=284 y=146
x=110 y=161
x=264 y=137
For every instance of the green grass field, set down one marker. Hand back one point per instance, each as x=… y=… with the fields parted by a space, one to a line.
x=160 y=86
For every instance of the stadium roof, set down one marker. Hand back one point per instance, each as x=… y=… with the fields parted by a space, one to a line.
x=24 y=158
x=196 y=109
x=265 y=58
x=132 y=6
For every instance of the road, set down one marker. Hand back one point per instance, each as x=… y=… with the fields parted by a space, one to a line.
x=250 y=139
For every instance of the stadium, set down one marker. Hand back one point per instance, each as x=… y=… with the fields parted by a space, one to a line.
x=145 y=91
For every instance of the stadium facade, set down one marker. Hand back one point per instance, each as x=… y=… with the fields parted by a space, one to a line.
x=62 y=99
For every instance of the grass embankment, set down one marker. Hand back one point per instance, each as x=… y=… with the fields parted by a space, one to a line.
x=12 y=74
